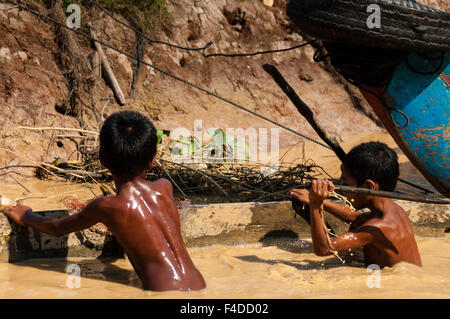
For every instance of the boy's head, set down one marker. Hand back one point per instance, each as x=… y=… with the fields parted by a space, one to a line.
x=127 y=143
x=371 y=165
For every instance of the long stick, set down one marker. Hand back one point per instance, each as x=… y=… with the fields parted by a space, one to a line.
x=413 y=198
x=304 y=110
x=109 y=72
x=393 y=195
x=57 y=129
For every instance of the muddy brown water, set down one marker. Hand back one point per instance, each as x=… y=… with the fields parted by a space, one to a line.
x=247 y=271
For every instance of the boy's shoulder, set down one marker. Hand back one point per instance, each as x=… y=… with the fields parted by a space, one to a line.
x=392 y=208
x=163 y=182
x=161 y=185
x=393 y=214
x=105 y=203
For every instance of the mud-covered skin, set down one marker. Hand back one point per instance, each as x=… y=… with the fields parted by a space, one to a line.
x=144 y=219
x=385 y=233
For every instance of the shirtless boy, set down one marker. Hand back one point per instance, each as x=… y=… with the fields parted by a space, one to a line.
x=142 y=216
x=385 y=233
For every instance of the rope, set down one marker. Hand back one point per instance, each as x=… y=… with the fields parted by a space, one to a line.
x=258 y=53
x=203 y=49
x=145 y=36
x=48 y=18
x=441 y=58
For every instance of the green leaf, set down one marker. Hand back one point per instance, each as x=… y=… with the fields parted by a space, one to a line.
x=56 y=161
x=160 y=134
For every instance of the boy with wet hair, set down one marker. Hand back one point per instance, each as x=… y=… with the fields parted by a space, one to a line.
x=142 y=216
x=385 y=232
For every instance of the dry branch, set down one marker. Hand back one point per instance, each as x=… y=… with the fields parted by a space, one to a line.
x=108 y=72
x=58 y=129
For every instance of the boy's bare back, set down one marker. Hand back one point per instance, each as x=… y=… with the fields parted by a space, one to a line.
x=142 y=216
x=144 y=219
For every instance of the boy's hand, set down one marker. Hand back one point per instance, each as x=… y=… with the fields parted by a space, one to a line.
x=320 y=190
x=302 y=195
x=17 y=214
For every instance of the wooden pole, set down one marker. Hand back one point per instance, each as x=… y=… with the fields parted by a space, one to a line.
x=109 y=72
x=393 y=195
x=304 y=110
x=97 y=65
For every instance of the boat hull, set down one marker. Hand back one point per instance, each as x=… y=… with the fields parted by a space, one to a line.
x=415 y=109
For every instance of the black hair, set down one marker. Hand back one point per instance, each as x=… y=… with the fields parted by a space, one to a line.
x=127 y=142
x=375 y=161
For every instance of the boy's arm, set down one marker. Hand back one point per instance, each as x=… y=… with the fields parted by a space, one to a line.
x=323 y=245
x=72 y=202
x=343 y=213
x=88 y=217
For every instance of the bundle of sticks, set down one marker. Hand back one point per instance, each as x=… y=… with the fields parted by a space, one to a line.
x=200 y=182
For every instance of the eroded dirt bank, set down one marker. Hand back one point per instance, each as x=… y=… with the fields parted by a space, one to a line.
x=35 y=90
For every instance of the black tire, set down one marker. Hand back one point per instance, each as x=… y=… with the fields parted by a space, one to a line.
x=405 y=24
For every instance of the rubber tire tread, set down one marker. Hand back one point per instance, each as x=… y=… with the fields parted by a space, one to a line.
x=405 y=25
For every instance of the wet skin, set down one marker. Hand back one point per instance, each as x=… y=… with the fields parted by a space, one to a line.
x=385 y=233
x=144 y=219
